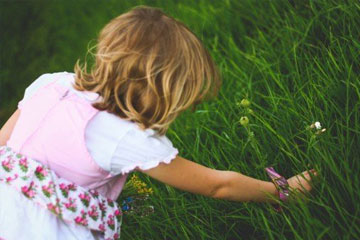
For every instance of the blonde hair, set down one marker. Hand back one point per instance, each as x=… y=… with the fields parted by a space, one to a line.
x=148 y=68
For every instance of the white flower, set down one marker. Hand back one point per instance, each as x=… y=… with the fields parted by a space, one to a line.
x=317 y=125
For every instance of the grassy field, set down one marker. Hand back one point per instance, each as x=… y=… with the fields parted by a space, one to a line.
x=296 y=61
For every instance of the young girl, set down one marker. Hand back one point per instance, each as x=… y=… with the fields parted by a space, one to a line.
x=68 y=148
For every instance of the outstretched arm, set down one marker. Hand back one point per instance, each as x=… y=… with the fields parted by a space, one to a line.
x=195 y=178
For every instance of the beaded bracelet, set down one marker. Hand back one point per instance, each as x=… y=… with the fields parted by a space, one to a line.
x=281 y=185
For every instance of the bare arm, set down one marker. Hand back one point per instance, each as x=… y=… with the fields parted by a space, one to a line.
x=8 y=127
x=195 y=178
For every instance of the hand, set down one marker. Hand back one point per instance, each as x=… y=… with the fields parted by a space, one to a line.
x=301 y=182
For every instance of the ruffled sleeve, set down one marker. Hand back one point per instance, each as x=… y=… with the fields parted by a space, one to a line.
x=143 y=150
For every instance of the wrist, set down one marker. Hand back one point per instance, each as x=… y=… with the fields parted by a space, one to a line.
x=272 y=191
x=281 y=185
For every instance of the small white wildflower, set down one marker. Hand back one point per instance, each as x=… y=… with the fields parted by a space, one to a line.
x=316 y=125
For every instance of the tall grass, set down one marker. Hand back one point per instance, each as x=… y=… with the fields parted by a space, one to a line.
x=296 y=61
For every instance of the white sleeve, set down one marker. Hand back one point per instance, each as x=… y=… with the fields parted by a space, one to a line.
x=34 y=86
x=141 y=150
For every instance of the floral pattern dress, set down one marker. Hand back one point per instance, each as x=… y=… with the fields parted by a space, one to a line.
x=41 y=194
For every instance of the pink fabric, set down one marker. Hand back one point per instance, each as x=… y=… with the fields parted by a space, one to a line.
x=51 y=129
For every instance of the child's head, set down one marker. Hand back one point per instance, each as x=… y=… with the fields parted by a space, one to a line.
x=148 y=68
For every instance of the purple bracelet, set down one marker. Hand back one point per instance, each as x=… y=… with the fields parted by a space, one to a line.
x=281 y=185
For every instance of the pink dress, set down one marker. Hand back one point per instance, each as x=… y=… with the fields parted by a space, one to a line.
x=51 y=131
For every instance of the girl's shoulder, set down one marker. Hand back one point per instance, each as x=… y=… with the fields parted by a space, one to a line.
x=63 y=78
x=122 y=146
x=141 y=149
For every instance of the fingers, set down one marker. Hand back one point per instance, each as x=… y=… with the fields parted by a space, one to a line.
x=307 y=173
x=301 y=185
x=313 y=171
x=304 y=180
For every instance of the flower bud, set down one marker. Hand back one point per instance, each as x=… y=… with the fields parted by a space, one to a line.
x=244 y=121
x=320 y=131
x=245 y=103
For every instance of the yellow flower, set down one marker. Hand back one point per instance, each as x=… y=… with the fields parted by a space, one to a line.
x=245 y=103
x=244 y=121
x=140 y=186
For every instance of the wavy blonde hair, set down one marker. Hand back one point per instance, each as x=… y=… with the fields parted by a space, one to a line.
x=148 y=68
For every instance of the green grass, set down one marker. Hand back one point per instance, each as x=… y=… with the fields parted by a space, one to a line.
x=296 y=61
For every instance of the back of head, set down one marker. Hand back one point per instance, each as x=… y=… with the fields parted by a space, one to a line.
x=148 y=68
